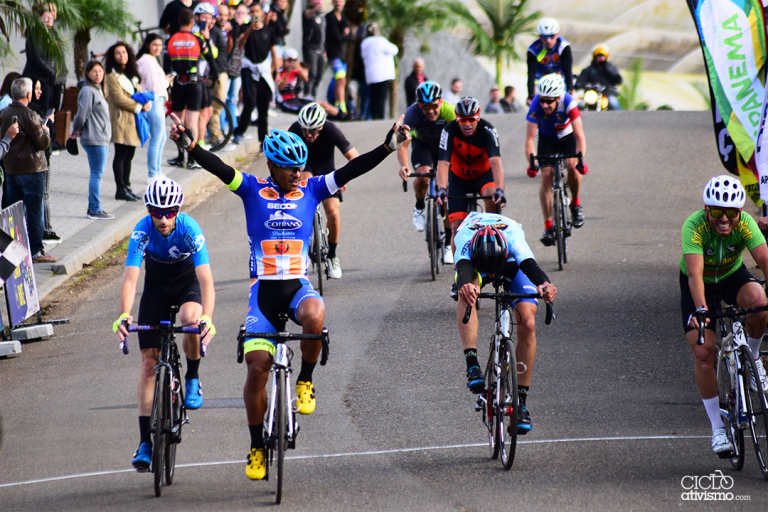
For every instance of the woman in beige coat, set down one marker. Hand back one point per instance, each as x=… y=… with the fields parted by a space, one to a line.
x=122 y=81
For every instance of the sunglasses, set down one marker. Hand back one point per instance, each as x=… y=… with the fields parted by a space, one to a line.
x=429 y=107
x=547 y=101
x=467 y=120
x=159 y=214
x=553 y=36
x=731 y=213
x=315 y=131
x=289 y=170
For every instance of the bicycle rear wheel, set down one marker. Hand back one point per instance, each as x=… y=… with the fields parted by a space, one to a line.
x=431 y=240
x=317 y=245
x=757 y=412
x=564 y=203
x=160 y=436
x=282 y=420
x=227 y=127
x=508 y=405
x=558 y=225
x=490 y=404
x=728 y=402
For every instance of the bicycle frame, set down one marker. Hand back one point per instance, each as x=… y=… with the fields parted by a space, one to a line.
x=433 y=232
x=281 y=361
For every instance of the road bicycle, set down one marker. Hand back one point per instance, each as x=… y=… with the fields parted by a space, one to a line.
x=743 y=404
x=499 y=401
x=435 y=230
x=561 y=216
x=318 y=249
x=280 y=428
x=168 y=411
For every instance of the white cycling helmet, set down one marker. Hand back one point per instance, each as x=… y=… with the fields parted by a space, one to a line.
x=290 y=53
x=312 y=116
x=206 y=8
x=725 y=191
x=164 y=193
x=550 y=86
x=548 y=27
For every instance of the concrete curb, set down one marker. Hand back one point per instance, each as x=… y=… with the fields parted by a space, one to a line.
x=192 y=181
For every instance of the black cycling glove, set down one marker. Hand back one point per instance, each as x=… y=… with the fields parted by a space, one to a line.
x=498 y=197
x=394 y=142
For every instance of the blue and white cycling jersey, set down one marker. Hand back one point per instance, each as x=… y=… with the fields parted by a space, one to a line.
x=548 y=61
x=512 y=231
x=558 y=124
x=279 y=224
x=185 y=241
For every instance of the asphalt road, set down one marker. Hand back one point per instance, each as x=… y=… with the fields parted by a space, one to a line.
x=617 y=419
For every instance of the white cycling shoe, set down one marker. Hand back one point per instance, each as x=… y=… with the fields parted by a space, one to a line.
x=334 y=268
x=448 y=256
x=720 y=442
x=419 y=222
x=762 y=374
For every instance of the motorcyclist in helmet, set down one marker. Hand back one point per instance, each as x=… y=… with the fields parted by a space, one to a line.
x=602 y=72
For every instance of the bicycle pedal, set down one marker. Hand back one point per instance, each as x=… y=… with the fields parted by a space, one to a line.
x=726 y=455
x=479 y=404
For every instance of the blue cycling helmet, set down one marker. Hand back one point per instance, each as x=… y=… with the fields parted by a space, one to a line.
x=285 y=149
x=429 y=92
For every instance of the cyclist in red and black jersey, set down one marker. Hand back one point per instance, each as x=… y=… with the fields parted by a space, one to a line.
x=469 y=149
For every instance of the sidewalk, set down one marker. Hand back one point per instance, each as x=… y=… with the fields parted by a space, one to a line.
x=85 y=239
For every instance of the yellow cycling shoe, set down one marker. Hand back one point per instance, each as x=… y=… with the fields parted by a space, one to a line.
x=305 y=392
x=256 y=469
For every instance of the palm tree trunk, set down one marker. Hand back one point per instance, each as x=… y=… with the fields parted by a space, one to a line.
x=499 y=70
x=82 y=38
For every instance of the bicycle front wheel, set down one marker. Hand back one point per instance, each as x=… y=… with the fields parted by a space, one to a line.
x=174 y=436
x=318 y=249
x=727 y=397
x=431 y=240
x=282 y=420
x=566 y=223
x=508 y=404
x=160 y=416
x=227 y=126
x=757 y=411
x=558 y=226
x=490 y=403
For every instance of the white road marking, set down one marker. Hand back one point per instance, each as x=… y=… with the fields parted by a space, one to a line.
x=359 y=454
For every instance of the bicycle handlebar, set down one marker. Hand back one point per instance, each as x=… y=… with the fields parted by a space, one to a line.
x=730 y=312
x=550 y=313
x=418 y=175
x=543 y=160
x=282 y=337
x=161 y=329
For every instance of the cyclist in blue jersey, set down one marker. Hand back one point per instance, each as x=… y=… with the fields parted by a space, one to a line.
x=489 y=245
x=279 y=211
x=178 y=273
x=549 y=54
x=556 y=117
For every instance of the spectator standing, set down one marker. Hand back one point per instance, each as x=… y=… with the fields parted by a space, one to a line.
x=453 y=95
x=414 y=80
x=257 y=73
x=239 y=23
x=378 y=56
x=123 y=81
x=278 y=20
x=92 y=125
x=220 y=87
x=25 y=163
x=313 y=45
x=494 y=107
x=358 y=73
x=153 y=79
x=207 y=69
x=41 y=64
x=508 y=102
x=49 y=236
x=169 y=20
x=337 y=35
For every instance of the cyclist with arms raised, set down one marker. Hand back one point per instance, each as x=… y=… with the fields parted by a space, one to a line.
x=427 y=118
x=469 y=149
x=492 y=246
x=322 y=137
x=556 y=117
x=178 y=273
x=279 y=212
x=713 y=240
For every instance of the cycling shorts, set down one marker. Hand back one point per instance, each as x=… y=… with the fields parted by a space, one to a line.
x=187 y=97
x=552 y=146
x=728 y=290
x=483 y=185
x=156 y=302
x=339 y=68
x=421 y=155
x=322 y=170
x=520 y=284
x=269 y=298
x=205 y=100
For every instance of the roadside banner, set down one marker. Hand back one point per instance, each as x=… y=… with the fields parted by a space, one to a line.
x=20 y=286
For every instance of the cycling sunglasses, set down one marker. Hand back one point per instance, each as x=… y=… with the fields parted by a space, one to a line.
x=160 y=213
x=551 y=36
x=429 y=107
x=468 y=120
x=547 y=101
x=731 y=213
x=314 y=131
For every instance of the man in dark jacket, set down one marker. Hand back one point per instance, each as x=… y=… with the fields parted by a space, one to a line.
x=604 y=73
x=313 y=45
x=413 y=81
x=25 y=163
x=337 y=35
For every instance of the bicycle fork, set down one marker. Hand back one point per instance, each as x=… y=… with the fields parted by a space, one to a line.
x=281 y=362
x=734 y=341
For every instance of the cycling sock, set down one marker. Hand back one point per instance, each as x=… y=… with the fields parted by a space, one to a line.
x=522 y=394
x=192 y=369
x=342 y=106
x=332 y=250
x=471 y=355
x=420 y=204
x=547 y=224
x=754 y=346
x=576 y=201
x=257 y=435
x=712 y=405
x=305 y=375
x=144 y=429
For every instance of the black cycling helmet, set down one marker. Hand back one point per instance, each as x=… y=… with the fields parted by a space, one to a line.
x=467 y=107
x=488 y=250
x=429 y=92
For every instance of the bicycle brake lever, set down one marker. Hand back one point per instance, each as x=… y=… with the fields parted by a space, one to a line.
x=405 y=185
x=326 y=348
x=467 y=314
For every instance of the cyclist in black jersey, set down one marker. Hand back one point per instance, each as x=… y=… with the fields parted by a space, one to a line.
x=322 y=137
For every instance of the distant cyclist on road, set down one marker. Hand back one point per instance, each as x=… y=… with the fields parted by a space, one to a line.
x=549 y=54
x=426 y=118
x=279 y=212
x=713 y=240
x=492 y=246
x=178 y=273
x=322 y=137
x=469 y=149
x=556 y=117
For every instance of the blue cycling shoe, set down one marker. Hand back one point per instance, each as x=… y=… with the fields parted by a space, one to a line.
x=143 y=457
x=523 y=421
x=475 y=381
x=193 y=398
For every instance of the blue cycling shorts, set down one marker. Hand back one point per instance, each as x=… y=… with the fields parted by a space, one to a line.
x=339 y=68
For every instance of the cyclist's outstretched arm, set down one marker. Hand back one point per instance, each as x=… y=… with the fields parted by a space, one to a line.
x=530 y=139
x=581 y=140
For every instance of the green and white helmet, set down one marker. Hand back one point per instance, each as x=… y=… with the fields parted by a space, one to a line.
x=312 y=116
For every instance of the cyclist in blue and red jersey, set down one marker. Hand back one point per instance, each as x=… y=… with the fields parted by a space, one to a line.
x=549 y=54
x=556 y=117
x=279 y=212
